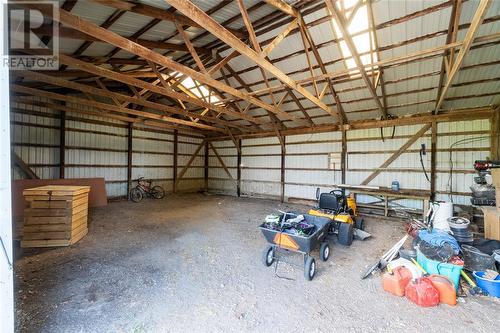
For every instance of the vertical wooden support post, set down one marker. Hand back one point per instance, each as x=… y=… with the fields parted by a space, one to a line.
x=130 y=137
x=207 y=164
x=495 y=132
x=176 y=153
x=283 y=155
x=62 y=144
x=238 y=172
x=343 y=155
x=433 y=159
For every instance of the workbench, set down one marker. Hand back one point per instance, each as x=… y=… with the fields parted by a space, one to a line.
x=385 y=193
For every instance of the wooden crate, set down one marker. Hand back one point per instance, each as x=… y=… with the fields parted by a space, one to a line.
x=57 y=215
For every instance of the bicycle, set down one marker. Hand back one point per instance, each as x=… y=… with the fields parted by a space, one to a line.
x=144 y=188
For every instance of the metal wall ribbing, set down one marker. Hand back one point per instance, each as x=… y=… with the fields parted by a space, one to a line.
x=98 y=147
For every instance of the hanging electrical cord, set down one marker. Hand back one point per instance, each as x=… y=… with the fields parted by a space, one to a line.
x=422 y=152
x=458 y=143
x=390 y=116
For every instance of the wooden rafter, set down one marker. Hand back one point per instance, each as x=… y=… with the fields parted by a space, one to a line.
x=154 y=12
x=380 y=77
x=188 y=8
x=283 y=6
x=148 y=86
x=122 y=42
x=113 y=108
x=340 y=111
x=341 y=23
x=466 y=44
x=389 y=61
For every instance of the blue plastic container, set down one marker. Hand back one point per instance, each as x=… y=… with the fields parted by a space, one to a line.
x=492 y=287
x=441 y=268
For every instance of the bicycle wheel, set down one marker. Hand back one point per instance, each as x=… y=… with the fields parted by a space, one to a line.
x=157 y=192
x=135 y=194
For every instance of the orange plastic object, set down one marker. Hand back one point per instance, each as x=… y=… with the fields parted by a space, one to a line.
x=396 y=282
x=446 y=289
x=422 y=292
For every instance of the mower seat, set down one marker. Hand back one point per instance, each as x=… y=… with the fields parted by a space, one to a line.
x=328 y=201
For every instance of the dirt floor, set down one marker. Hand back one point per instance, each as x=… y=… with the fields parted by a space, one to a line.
x=193 y=263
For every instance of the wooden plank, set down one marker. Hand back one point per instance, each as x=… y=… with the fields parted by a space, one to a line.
x=283 y=6
x=62 y=143
x=466 y=44
x=117 y=96
x=141 y=51
x=186 y=167
x=223 y=164
x=79 y=236
x=46 y=220
x=206 y=165
x=339 y=18
x=394 y=156
x=48 y=212
x=432 y=175
x=495 y=135
x=238 y=171
x=283 y=170
x=176 y=152
x=44 y=243
x=47 y=235
x=188 y=8
x=96 y=70
x=154 y=12
x=57 y=190
x=35 y=228
x=23 y=166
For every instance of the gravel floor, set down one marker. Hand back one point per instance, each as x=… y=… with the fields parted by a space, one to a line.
x=192 y=263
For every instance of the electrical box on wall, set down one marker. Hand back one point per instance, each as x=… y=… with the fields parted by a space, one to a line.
x=334 y=161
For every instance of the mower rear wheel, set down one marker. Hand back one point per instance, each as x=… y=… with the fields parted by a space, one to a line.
x=268 y=256
x=360 y=223
x=309 y=268
x=346 y=233
x=324 y=251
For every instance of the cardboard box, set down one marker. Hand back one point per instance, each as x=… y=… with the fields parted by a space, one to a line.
x=495 y=174
x=491 y=223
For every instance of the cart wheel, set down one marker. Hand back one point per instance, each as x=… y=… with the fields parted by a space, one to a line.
x=360 y=223
x=309 y=268
x=324 y=251
x=346 y=233
x=268 y=256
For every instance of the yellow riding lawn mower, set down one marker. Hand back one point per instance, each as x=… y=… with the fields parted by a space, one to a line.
x=341 y=210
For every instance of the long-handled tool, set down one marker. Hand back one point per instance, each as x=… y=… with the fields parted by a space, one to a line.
x=385 y=259
x=474 y=290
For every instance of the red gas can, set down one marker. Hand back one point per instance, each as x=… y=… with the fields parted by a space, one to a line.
x=396 y=282
x=422 y=292
x=446 y=289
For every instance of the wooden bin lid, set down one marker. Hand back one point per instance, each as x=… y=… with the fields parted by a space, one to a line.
x=57 y=190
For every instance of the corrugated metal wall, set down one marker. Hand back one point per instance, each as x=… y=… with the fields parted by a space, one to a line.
x=308 y=163
x=194 y=178
x=308 y=166
x=97 y=147
x=219 y=181
x=466 y=141
x=261 y=167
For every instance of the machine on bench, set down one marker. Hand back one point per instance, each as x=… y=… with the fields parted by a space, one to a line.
x=341 y=210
